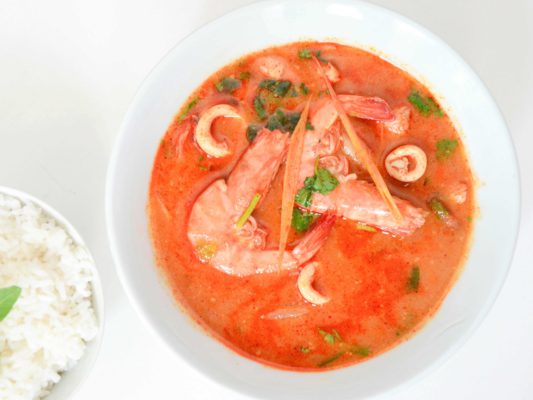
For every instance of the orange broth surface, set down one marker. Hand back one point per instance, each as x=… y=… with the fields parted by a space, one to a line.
x=375 y=303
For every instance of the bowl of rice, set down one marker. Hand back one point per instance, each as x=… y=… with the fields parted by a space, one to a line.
x=51 y=334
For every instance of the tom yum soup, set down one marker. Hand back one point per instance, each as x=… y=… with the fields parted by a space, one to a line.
x=311 y=205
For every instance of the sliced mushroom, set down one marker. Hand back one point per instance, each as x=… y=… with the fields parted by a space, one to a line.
x=332 y=73
x=406 y=163
x=203 y=136
x=305 y=281
x=400 y=123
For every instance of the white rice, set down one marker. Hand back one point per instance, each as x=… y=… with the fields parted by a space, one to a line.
x=46 y=331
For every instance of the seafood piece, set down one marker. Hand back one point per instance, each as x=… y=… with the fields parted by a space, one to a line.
x=203 y=136
x=400 y=122
x=406 y=163
x=332 y=73
x=305 y=285
x=374 y=108
x=212 y=227
x=360 y=201
x=351 y=199
x=181 y=131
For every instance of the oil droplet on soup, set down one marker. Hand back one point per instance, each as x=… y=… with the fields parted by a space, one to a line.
x=372 y=278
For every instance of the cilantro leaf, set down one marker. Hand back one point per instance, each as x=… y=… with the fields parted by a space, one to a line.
x=252 y=131
x=259 y=107
x=277 y=88
x=445 y=148
x=304 y=89
x=304 y=53
x=325 y=181
x=425 y=105
x=301 y=221
x=228 y=85
x=285 y=122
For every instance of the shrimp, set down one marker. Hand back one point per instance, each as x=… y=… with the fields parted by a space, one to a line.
x=351 y=199
x=212 y=229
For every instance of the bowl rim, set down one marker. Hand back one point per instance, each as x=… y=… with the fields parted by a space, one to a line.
x=97 y=298
x=122 y=270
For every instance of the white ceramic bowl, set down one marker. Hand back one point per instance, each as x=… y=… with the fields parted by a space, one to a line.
x=403 y=43
x=72 y=379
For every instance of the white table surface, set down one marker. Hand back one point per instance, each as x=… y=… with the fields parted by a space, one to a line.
x=68 y=71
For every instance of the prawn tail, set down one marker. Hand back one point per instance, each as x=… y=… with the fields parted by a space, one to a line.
x=313 y=241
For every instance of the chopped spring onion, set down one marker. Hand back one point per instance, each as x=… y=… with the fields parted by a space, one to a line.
x=330 y=337
x=188 y=108
x=438 y=208
x=414 y=279
x=331 y=359
x=249 y=210
x=361 y=351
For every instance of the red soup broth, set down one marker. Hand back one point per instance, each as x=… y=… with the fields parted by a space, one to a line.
x=382 y=287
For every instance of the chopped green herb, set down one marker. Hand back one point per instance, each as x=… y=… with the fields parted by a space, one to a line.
x=318 y=55
x=325 y=181
x=285 y=122
x=305 y=350
x=445 y=148
x=301 y=221
x=8 y=298
x=414 y=279
x=202 y=167
x=322 y=182
x=364 y=227
x=309 y=126
x=188 y=108
x=245 y=75
x=361 y=351
x=469 y=218
x=304 y=197
x=304 y=53
x=293 y=93
x=206 y=251
x=304 y=89
x=328 y=337
x=425 y=105
x=252 y=131
x=228 y=85
x=438 y=208
x=249 y=210
x=277 y=88
x=331 y=359
x=259 y=107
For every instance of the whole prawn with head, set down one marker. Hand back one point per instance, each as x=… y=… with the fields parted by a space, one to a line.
x=221 y=226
